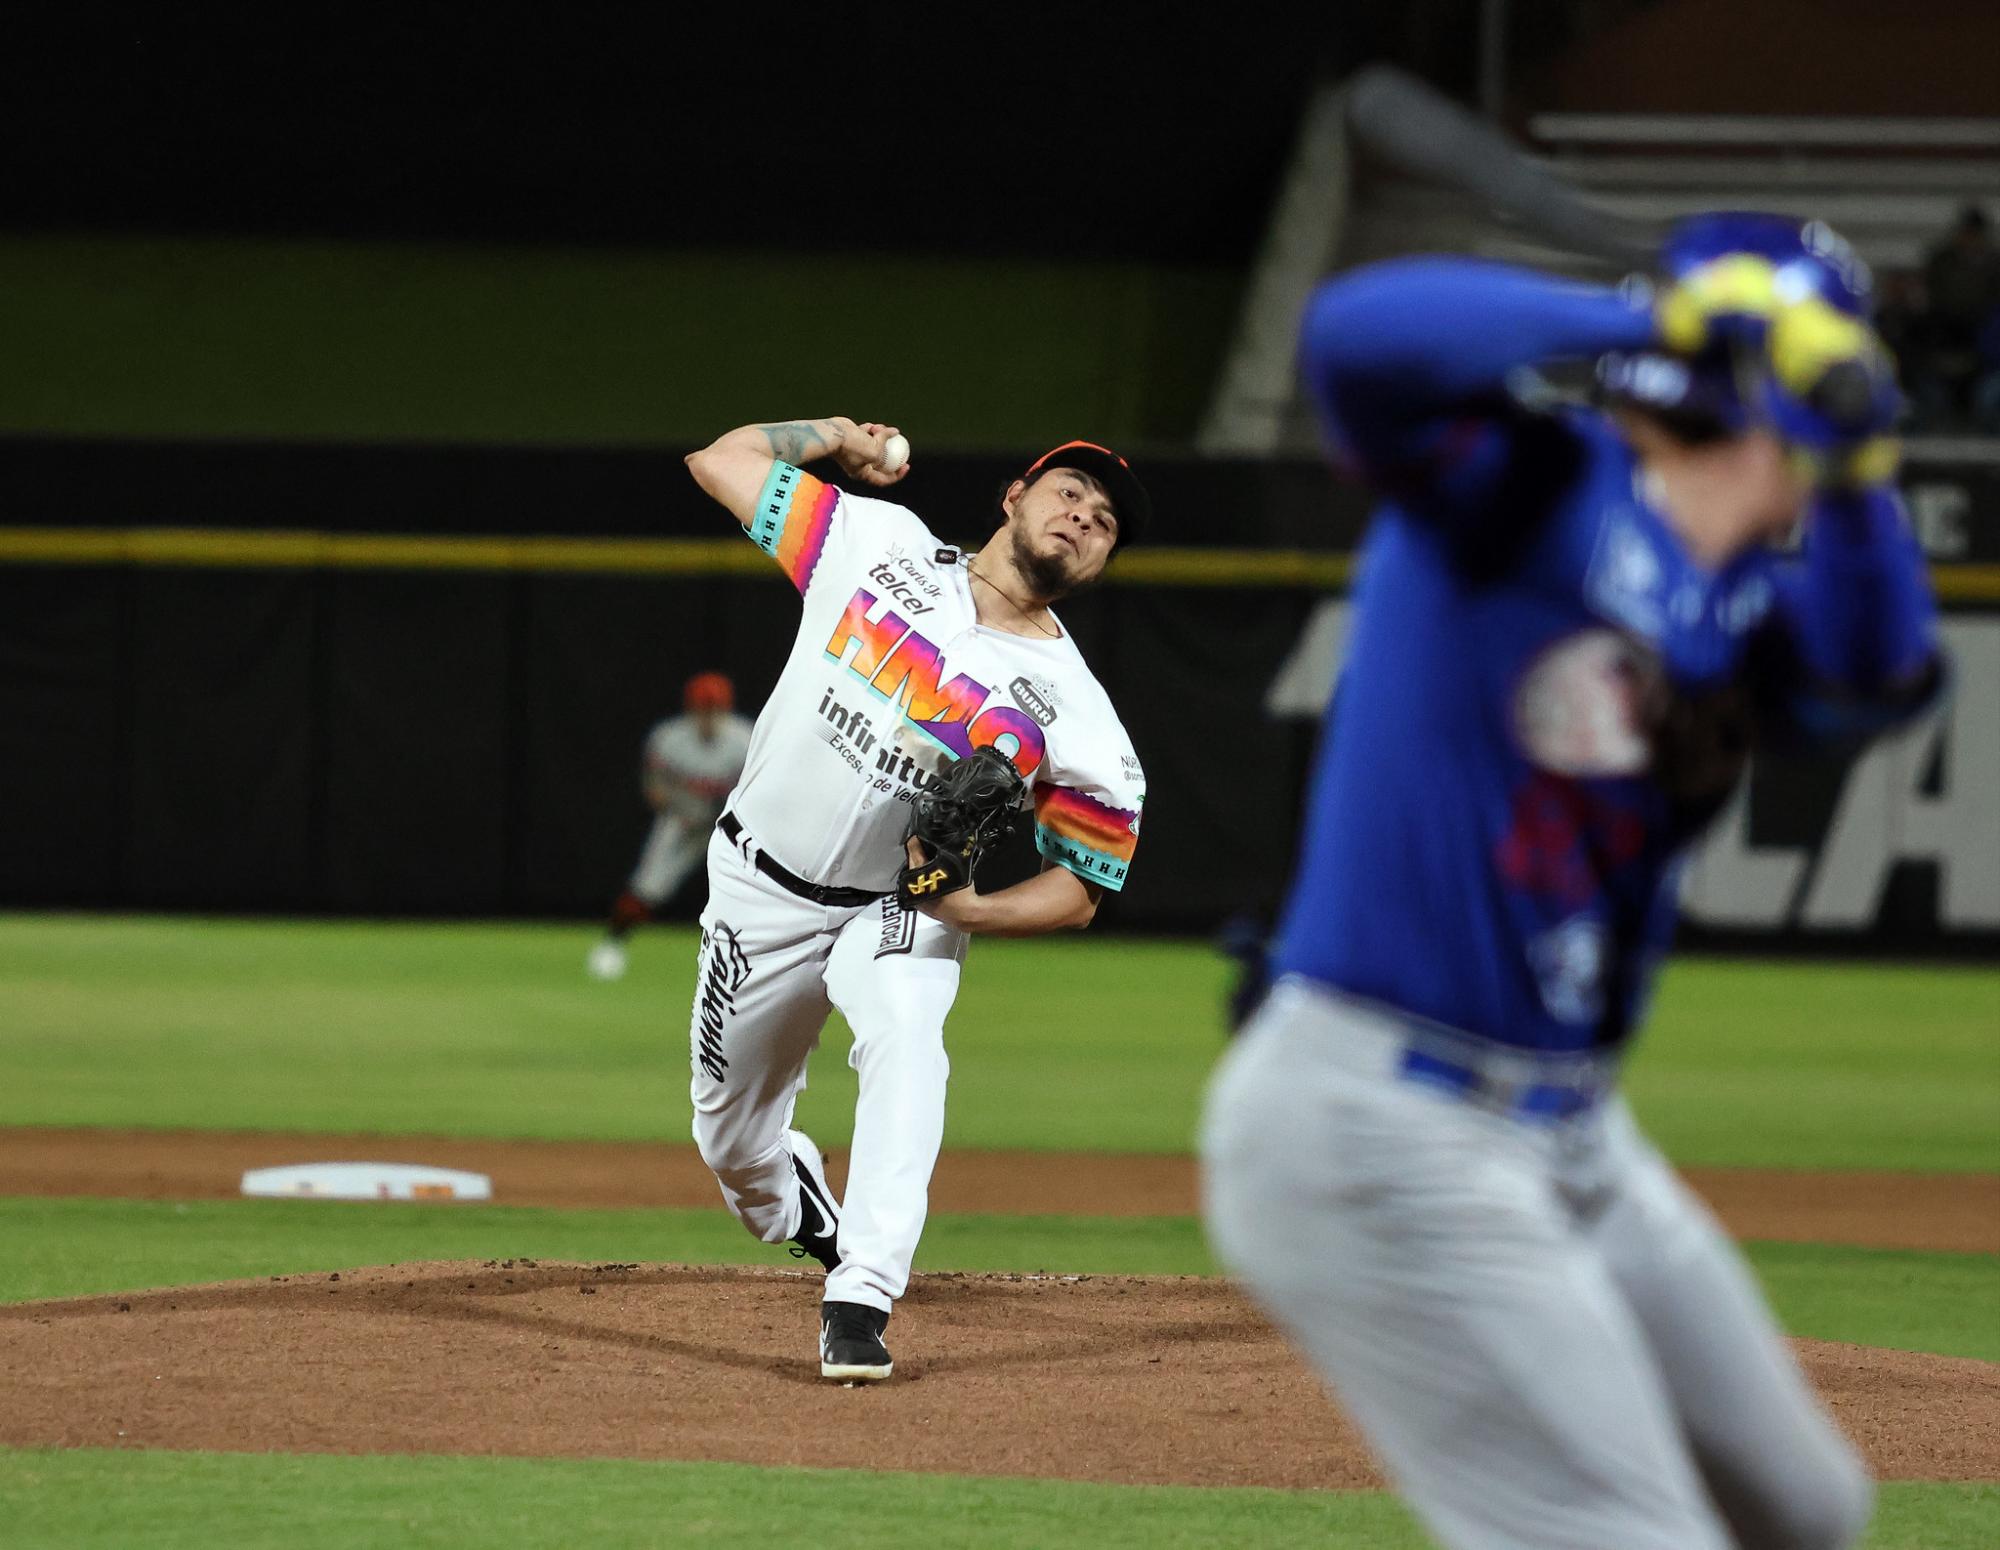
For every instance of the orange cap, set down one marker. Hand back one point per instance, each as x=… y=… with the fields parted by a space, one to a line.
x=709 y=691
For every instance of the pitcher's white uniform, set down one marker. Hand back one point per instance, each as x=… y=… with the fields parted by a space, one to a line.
x=697 y=774
x=891 y=677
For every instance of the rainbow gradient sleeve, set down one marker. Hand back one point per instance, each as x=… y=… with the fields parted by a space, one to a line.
x=1091 y=838
x=794 y=514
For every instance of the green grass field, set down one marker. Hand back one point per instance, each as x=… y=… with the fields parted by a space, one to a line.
x=494 y=1031
x=167 y=1501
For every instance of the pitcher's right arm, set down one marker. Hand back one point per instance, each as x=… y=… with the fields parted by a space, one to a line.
x=733 y=468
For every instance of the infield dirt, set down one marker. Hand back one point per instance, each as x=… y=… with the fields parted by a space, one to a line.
x=1129 y=1379
x=1945 y=1211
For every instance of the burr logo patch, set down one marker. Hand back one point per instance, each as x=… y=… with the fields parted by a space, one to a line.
x=1031 y=699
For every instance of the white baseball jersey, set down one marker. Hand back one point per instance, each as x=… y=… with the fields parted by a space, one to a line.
x=699 y=771
x=892 y=677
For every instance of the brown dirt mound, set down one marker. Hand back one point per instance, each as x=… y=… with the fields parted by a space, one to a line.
x=1881 y=1210
x=1167 y=1380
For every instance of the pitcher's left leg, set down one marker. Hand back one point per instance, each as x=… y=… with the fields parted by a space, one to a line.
x=893 y=973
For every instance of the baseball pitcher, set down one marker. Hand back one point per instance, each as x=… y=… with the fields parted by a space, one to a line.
x=932 y=695
x=690 y=762
x=1573 y=625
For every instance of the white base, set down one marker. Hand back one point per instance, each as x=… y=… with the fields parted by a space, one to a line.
x=367 y=1181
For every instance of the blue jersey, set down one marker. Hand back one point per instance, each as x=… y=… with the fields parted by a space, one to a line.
x=1546 y=696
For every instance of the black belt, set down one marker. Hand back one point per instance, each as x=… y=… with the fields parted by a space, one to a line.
x=820 y=893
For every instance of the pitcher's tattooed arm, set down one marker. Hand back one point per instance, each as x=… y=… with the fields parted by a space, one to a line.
x=733 y=468
x=800 y=441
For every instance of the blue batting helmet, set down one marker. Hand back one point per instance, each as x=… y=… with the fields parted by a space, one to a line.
x=1810 y=256
x=1720 y=389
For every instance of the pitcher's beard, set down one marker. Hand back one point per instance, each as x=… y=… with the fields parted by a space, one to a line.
x=1047 y=575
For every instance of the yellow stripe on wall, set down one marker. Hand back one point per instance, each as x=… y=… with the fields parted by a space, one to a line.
x=1966 y=583
x=234 y=549
x=1233 y=568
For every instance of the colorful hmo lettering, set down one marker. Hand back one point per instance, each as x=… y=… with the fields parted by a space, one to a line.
x=898 y=664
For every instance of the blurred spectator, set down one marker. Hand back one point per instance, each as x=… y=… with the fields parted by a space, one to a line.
x=1986 y=386
x=1961 y=295
x=1962 y=274
x=1904 y=323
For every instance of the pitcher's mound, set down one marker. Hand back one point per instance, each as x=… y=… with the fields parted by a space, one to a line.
x=1131 y=1379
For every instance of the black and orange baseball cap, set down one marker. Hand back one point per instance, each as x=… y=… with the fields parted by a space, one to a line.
x=1129 y=500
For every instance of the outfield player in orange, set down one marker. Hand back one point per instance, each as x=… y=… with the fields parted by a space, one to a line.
x=691 y=761
x=910 y=655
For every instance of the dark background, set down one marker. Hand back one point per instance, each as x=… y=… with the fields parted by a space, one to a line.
x=1146 y=131
x=1143 y=132
x=432 y=743
x=466 y=743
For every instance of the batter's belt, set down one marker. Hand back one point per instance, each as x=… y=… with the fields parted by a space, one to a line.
x=1534 y=1086
x=820 y=893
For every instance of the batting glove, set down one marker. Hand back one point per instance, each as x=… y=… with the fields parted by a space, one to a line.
x=1832 y=395
x=1730 y=298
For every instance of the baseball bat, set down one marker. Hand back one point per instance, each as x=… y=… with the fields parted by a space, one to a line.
x=1419 y=131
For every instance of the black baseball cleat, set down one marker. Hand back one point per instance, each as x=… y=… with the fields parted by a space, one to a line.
x=819 y=1217
x=850 y=1343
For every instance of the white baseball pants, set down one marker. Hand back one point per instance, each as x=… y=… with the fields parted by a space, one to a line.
x=1549 y=1342
x=673 y=846
x=772 y=966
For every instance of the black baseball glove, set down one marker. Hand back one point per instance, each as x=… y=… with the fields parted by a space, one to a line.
x=968 y=807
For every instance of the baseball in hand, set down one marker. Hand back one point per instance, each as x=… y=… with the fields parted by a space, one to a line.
x=895 y=453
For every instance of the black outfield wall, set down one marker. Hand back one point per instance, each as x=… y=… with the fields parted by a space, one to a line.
x=389 y=741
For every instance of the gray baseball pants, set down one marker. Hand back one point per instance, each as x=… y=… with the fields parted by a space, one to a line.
x=1546 y=1337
